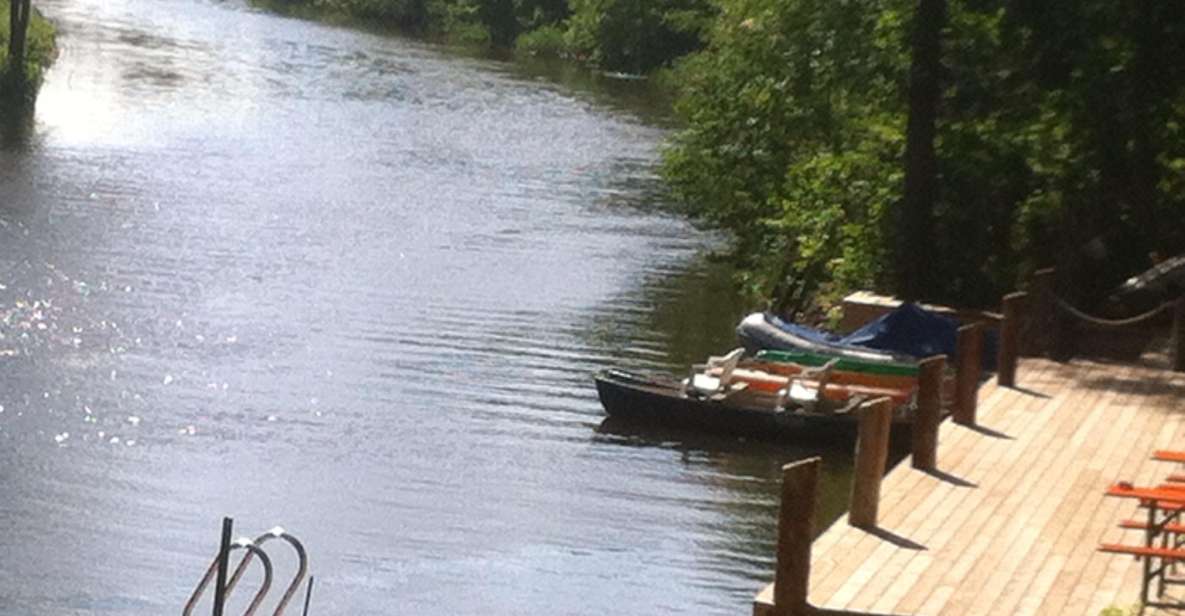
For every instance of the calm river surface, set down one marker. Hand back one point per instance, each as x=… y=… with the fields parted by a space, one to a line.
x=355 y=285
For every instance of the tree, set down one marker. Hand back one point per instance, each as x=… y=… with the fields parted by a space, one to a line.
x=936 y=149
x=1109 y=159
x=794 y=139
x=18 y=26
x=916 y=247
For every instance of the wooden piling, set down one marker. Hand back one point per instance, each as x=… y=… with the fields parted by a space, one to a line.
x=970 y=351
x=872 y=453
x=1179 y=335
x=1010 y=338
x=929 y=412
x=1043 y=313
x=796 y=522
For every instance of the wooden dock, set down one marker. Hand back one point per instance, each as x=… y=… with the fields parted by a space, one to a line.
x=1010 y=520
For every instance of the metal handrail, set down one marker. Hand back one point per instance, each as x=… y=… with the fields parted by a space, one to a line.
x=252 y=549
x=301 y=570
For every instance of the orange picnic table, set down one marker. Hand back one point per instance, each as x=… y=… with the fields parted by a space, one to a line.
x=1166 y=500
x=1160 y=493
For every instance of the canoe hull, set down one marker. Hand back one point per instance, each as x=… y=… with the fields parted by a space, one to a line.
x=637 y=398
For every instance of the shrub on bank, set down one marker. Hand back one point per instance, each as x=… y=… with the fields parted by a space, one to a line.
x=629 y=36
x=546 y=42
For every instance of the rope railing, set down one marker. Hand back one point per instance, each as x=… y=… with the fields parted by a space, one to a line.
x=1093 y=320
x=1048 y=321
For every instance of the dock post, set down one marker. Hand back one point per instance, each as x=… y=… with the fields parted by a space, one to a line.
x=929 y=412
x=872 y=453
x=796 y=527
x=1179 y=335
x=970 y=350
x=1010 y=338
x=1043 y=314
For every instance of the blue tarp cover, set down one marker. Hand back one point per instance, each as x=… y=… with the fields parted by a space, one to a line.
x=910 y=330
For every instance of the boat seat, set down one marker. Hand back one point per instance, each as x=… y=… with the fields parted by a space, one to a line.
x=703 y=383
x=732 y=358
x=806 y=388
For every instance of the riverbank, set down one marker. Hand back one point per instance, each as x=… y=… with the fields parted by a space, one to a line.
x=615 y=37
x=41 y=51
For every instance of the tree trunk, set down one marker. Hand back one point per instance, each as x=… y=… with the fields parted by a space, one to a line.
x=1148 y=92
x=916 y=242
x=14 y=23
x=18 y=21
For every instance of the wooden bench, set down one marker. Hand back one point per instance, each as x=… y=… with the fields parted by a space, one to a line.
x=1166 y=556
x=1172 y=495
x=1169 y=554
x=1169 y=501
x=1143 y=525
x=1166 y=455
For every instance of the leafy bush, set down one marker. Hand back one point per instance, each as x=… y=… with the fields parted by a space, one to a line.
x=793 y=128
x=637 y=36
x=545 y=41
x=633 y=36
x=404 y=12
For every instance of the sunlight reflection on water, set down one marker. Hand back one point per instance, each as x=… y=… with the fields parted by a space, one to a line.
x=260 y=267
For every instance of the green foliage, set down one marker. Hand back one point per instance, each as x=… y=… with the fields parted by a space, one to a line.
x=1060 y=127
x=832 y=222
x=544 y=41
x=459 y=22
x=407 y=13
x=634 y=36
x=793 y=125
x=469 y=22
x=637 y=36
x=1109 y=94
x=40 y=53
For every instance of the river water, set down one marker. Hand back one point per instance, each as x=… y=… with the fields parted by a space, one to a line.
x=355 y=285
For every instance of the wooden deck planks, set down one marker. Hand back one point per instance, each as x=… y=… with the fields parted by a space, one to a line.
x=910 y=500
x=1002 y=506
x=1037 y=574
x=986 y=456
x=968 y=525
x=1103 y=574
x=1029 y=556
x=974 y=450
x=1011 y=525
x=1077 y=573
x=1016 y=541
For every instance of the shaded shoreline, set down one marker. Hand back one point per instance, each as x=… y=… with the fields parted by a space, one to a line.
x=18 y=89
